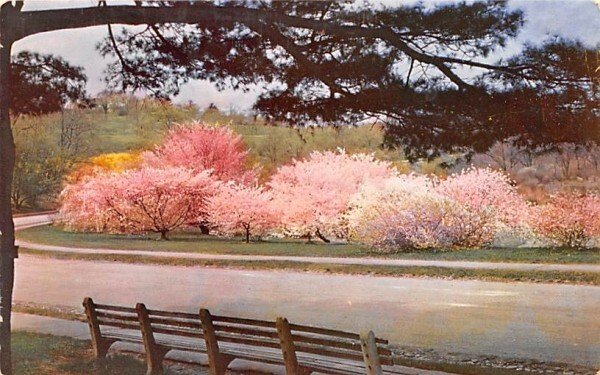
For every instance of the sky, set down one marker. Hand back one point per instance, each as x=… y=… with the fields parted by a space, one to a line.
x=578 y=19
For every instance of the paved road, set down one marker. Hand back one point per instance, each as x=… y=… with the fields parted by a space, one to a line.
x=539 y=321
x=31 y=221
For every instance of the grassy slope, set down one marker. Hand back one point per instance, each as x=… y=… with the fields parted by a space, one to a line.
x=186 y=242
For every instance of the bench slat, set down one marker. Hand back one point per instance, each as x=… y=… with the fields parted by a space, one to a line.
x=246 y=321
x=128 y=318
x=330 y=332
x=173 y=314
x=254 y=356
x=350 y=345
x=117 y=324
x=188 y=346
x=310 y=358
x=173 y=332
x=328 y=351
x=115 y=308
x=176 y=323
x=248 y=341
x=342 y=344
x=245 y=331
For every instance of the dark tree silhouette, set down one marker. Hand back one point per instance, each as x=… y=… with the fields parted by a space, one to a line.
x=422 y=70
x=44 y=83
x=554 y=99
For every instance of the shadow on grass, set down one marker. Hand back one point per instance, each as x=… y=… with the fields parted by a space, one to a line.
x=36 y=354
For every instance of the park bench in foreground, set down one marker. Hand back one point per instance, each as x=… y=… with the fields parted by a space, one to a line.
x=301 y=349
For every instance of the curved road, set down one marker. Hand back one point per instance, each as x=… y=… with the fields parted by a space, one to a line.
x=32 y=221
x=537 y=321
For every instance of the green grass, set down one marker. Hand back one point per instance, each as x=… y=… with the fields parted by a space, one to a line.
x=590 y=278
x=36 y=354
x=53 y=311
x=191 y=242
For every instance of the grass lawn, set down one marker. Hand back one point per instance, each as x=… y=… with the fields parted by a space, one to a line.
x=36 y=354
x=191 y=242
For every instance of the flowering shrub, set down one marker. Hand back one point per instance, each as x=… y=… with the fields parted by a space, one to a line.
x=237 y=208
x=410 y=211
x=402 y=212
x=202 y=147
x=135 y=201
x=568 y=220
x=313 y=193
x=111 y=162
x=489 y=202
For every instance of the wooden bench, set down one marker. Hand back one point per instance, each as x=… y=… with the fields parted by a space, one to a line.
x=301 y=349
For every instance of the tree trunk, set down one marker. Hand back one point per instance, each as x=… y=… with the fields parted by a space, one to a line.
x=204 y=229
x=7 y=238
x=247 y=234
x=163 y=235
x=322 y=237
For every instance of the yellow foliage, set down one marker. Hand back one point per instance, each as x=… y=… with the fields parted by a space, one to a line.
x=116 y=162
x=111 y=162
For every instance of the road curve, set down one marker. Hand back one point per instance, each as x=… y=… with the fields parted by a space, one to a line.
x=31 y=221
x=518 y=320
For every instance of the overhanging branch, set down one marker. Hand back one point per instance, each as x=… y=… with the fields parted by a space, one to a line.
x=23 y=24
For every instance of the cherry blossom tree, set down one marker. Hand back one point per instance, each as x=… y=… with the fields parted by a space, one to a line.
x=568 y=220
x=203 y=147
x=239 y=208
x=84 y=204
x=137 y=201
x=314 y=192
x=490 y=201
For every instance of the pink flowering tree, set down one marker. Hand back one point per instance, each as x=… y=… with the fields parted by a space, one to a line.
x=237 y=208
x=490 y=202
x=84 y=205
x=137 y=201
x=313 y=193
x=202 y=147
x=568 y=220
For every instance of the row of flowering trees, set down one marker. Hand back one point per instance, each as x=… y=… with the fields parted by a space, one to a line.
x=202 y=176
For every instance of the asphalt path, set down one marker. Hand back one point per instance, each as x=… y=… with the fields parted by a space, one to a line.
x=517 y=320
x=31 y=221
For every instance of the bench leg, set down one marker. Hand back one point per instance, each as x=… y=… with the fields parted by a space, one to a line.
x=155 y=358
x=101 y=346
x=220 y=368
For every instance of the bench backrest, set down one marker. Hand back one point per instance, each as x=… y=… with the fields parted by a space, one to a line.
x=335 y=343
x=111 y=316
x=170 y=323
x=242 y=331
